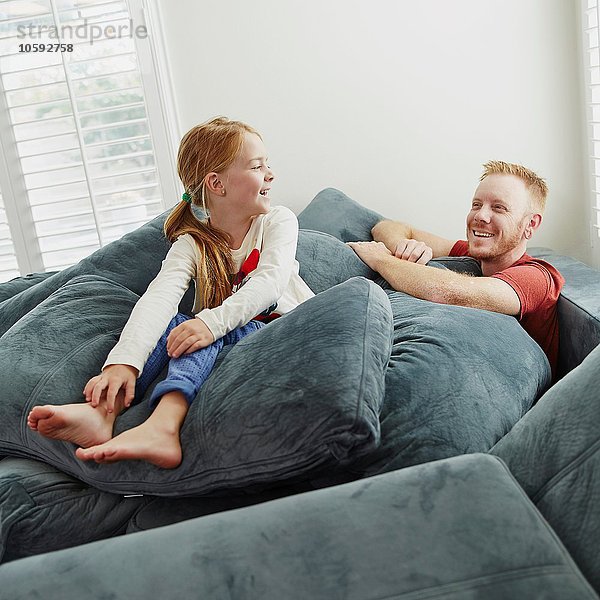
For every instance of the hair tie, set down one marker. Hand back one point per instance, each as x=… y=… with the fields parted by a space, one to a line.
x=186 y=198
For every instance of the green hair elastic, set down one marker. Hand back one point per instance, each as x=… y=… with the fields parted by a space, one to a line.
x=186 y=198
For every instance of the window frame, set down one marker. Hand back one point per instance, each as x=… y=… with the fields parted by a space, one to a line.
x=163 y=118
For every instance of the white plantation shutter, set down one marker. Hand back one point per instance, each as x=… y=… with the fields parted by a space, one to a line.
x=591 y=48
x=8 y=260
x=81 y=167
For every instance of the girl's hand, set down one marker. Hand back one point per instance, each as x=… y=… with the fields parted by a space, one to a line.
x=413 y=251
x=189 y=337
x=109 y=383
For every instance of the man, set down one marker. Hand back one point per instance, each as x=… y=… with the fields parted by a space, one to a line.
x=506 y=210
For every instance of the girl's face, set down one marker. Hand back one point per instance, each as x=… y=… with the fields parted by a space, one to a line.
x=248 y=179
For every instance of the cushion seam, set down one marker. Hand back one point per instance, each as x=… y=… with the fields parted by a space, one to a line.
x=557 y=543
x=363 y=374
x=66 y=358
x=585 y=310
x=565 y=471
x=484 y=580
x=49 y=374
x=298 y=470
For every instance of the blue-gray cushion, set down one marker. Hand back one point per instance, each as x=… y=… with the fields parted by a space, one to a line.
x=458 y=379
x=266 y=414
x=43 y=509
x=132 y=261
x=554 y=453
x=15 y=286
x=578 y=309
x=332 y=212
x=325 y=261
x=336 y=214
x=459 y=528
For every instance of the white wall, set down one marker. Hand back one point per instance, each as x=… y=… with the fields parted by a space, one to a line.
x=395 y=102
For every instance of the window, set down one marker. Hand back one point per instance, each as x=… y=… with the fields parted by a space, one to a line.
x=82 y=164
x=591 y=50
x=8 y=261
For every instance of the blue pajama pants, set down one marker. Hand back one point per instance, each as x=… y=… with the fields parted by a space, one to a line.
x=187 y=373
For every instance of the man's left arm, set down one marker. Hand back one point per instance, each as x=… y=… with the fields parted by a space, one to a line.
x=439 y=285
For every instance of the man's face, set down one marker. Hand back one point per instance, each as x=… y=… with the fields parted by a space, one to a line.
x=499 y=215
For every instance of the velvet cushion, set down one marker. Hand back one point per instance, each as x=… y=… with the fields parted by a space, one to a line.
x=43 y=509
x=578 y=309
x=325 y=261
x=458 y=378
x=132 y=261
x=266 y=414
x=332 y=212
x=554 y=453
x=11 y=288
x=459 y=528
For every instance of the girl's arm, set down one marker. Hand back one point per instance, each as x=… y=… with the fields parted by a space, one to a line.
x=156 y=307
x=267 y=282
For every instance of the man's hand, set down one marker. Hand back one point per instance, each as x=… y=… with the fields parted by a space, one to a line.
x=413 y=251
x=189 y=337
x=370 y=252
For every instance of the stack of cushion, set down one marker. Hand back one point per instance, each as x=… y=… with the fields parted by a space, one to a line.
x=358 y=380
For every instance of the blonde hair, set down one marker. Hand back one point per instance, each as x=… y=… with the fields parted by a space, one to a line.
x=210 y=147
x=537 y=187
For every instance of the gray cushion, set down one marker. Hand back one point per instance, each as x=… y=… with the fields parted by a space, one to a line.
x=43 y=509
x=266 y=414
x=554 y=453
x=325 y=261
x=132 y=261
x=50 y=353
x=578 y=309
x=459 y=528
x=331 y=211
x=11 y=288
x=454 y=384
x=334 y=213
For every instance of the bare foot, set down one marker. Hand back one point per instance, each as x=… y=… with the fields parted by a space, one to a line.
x=154 y=443
x=79 y=423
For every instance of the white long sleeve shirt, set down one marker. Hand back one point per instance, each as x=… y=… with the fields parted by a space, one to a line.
x=267 y=282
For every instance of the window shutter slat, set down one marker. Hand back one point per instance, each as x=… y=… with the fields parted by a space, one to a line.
x=591 y=42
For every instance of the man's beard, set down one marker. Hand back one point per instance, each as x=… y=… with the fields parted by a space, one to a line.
x=506 y=244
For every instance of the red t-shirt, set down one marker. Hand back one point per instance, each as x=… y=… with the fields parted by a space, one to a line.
x=538 y=285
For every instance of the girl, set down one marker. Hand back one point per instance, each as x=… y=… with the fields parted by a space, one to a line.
x=242 y=257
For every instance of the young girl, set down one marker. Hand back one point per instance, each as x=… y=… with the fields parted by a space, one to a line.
x=242 y=257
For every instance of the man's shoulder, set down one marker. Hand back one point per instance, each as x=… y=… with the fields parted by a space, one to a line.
x=542 y=265
x=531 y=273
